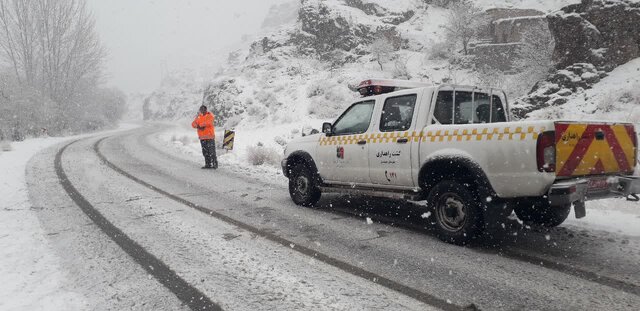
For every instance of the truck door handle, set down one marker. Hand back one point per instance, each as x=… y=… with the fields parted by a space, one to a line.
x=402 y=141
x=362 y=142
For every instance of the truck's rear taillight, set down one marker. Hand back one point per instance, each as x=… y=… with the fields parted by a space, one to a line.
x=546 y=152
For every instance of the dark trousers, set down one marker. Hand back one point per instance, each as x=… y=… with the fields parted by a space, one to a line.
x=209 y=152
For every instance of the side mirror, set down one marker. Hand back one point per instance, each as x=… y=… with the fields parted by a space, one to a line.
x=327 y=128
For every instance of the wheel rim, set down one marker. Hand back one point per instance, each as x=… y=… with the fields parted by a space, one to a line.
x=302 y=185
x=451 y=212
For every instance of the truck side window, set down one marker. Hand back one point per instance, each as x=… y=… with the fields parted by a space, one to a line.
x=484 y=112
x=498 y=115
x=443 y=112
x=355 y=120
x=468 y=108
x=464 y=108
x=397 y=113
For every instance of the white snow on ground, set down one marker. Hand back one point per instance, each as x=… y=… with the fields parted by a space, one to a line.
x=30 y=272
x=184 y=140
x=612 y=215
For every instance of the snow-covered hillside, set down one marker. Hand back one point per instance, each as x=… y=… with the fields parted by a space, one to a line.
x=301 y=72
x=616 y=97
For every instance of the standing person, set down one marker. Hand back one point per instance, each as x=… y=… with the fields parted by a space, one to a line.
x=207 y=134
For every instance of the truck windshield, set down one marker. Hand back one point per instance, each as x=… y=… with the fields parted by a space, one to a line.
x=355 y=120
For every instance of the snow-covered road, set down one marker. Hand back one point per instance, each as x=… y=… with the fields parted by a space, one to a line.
x=242 y=243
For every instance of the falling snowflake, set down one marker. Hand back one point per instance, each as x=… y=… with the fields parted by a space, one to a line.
x=426 y=215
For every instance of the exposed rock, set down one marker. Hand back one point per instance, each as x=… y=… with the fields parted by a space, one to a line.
x=601 y=32
x=372 y=8
x=509 y=30
x=496 y=56
x=265 y=45
x=323 y=29
x=221 y=98
x=368 y=8
x=557 y=88
x=494 y=15
x=501 y=39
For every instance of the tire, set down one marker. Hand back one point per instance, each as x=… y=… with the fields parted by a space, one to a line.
x=539 y=212
x=458 y=212
x=303 y=186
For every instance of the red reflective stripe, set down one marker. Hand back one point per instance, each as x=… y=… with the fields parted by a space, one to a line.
x=578 y=152
x=631 y=131
x=618 y=152
x=598 y=168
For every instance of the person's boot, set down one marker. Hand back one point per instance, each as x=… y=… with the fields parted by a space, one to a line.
x=207 y=166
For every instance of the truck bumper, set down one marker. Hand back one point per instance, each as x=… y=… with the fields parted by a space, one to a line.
x=578 y=191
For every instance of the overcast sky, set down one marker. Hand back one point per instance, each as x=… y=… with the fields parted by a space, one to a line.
x=145 y=37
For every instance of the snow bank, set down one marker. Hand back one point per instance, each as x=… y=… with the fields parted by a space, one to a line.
x=31 y=276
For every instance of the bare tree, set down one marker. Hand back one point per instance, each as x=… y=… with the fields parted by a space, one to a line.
x=381 y=49
x=50 y=44
x=336 y=60
x=463 y=21
x=401 y=70
x=55 y=60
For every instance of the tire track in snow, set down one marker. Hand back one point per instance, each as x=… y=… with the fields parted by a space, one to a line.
x=344 y=266
x=189 y=295
x=518 y=254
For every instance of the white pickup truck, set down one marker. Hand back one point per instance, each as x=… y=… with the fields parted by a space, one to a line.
x=456 y=147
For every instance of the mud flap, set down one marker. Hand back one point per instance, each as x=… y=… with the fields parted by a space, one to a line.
x=580 y=209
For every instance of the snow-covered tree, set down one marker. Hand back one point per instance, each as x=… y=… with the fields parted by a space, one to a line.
x=54 y=66
x=382 y=49
x=51 y=45
x=463 y=21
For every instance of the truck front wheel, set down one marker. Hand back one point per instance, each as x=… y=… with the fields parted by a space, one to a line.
x=457 y=211
x=539 y=212
x=303 y=186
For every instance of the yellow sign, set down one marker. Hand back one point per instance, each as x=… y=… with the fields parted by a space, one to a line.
x=229 y=136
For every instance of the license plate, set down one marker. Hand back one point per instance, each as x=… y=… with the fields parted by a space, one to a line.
x=597 y=184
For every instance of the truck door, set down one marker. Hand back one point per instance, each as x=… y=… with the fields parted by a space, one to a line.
x=391 y=142
x=344 y=154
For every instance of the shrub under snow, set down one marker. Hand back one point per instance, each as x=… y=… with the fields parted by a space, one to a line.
x=5 y=146
x=260 y=155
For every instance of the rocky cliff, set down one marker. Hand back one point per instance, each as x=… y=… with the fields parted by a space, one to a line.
x=605 y=33
x=591 y=38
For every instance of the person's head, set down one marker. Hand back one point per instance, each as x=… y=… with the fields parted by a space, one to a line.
x=203 y=109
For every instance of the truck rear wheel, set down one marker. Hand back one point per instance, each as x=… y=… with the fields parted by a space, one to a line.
x=303 y=186
x=540 y=212
x=457 y=212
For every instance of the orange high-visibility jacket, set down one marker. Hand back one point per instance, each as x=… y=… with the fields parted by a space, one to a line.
x=206 y=121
